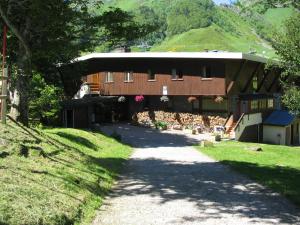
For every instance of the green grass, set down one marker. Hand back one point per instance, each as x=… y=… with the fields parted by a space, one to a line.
x=277 y=167
x=214 y=38
x=277 y=16
x=55 y=176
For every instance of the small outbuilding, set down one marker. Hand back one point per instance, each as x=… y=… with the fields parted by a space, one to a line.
x=281 y=127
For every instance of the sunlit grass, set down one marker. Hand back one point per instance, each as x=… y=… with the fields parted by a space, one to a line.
x=277 y=167
x=62 y=179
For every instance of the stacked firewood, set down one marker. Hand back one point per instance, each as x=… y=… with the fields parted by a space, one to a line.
x=184 y=119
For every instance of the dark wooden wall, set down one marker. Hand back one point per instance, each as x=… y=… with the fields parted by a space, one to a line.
x=228 y=77
x=191 y=84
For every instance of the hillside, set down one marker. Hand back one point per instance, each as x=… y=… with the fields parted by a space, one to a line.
x=277 y=16
x=55 y=176
x=213 y=37
x=229 y=33
x=247 y=27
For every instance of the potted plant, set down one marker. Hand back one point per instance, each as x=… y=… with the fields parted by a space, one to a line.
x=121 y=99
x=164 y=98
x=191 y=99
x=139 y=98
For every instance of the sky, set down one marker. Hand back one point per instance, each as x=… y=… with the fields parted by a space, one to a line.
x=221 y=1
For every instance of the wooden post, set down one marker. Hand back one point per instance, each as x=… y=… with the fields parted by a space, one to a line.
x=4 y=97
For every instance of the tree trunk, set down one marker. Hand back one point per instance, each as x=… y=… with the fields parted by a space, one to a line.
x=20 y=101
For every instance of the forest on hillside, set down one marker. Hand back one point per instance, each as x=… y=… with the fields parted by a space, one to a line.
x=197 y=25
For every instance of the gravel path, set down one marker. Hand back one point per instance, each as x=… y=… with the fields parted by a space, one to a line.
x=167 y=181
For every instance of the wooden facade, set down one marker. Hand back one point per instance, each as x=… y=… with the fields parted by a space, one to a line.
x=241 y=81
x=227 y=78
x=187 y=86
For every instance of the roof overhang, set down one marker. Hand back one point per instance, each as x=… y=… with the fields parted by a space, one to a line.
x=173 y=55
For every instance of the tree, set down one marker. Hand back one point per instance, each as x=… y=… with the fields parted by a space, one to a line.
x=155 y=22
x=287 y=46
x=46 y=32
x=49 y=32
x=184 y=15
x=120 y=29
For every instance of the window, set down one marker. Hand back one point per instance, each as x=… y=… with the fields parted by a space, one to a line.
x=128 y=76
x=254 y=83
x=270 y=103
x=151 y=75
x=254 y=104
x=262 y=103
x=109 y=77
x=177 y=74
x=206 y=72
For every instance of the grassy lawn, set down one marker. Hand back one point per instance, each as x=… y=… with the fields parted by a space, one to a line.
x=277 y=167
x=55 y=176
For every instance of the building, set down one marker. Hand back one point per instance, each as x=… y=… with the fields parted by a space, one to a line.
x=282 y=128
x=223 y=83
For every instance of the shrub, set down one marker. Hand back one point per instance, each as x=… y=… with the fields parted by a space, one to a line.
x=44 y=105
x=161 y=125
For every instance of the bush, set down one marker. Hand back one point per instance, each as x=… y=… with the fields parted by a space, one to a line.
x=44 y=104
x=161 y=125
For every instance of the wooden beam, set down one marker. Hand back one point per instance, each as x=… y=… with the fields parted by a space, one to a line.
x=274 y=81
x=237 y=74
x=266 y=74
x=251 y=77
x=3 y=97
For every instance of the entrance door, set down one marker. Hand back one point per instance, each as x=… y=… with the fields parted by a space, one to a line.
x=70 y=119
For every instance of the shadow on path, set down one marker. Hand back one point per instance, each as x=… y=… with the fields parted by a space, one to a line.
x=164 y=171
x=208 y=185
x=140 y=137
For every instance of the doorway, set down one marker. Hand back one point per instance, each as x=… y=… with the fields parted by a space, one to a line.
x=69 y=118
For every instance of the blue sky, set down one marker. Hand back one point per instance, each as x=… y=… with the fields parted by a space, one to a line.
x=221 y=1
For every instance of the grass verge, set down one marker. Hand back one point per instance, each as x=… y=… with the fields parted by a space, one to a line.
x=277 y=167
x=55 y=176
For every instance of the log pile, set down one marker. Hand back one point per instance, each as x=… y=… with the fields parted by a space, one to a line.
x=148 y=118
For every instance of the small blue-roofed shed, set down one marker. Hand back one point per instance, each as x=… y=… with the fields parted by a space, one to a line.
x=281 y=127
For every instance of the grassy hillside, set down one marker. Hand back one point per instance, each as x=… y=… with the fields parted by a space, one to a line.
x=245 y=27
x=277 y=16
x=55 y=176
x=212 y=38
x=131 y=5
x=215 y=37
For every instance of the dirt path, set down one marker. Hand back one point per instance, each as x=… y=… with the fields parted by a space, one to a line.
x=167 y=181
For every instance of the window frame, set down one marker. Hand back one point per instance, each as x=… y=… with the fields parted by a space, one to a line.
x=270 y=106
x=151 y=75
x=176 y=74
x=206 y=73
x=256 y=105
x=127 y=76
x=109 y=74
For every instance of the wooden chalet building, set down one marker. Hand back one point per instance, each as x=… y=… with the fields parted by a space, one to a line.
x=235 y=85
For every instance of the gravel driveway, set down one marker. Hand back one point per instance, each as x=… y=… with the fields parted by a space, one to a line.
x=167 y=181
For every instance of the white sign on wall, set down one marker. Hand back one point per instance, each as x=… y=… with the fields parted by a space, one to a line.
x=165 y=90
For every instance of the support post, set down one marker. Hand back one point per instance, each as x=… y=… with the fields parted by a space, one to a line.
x=4 y=97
